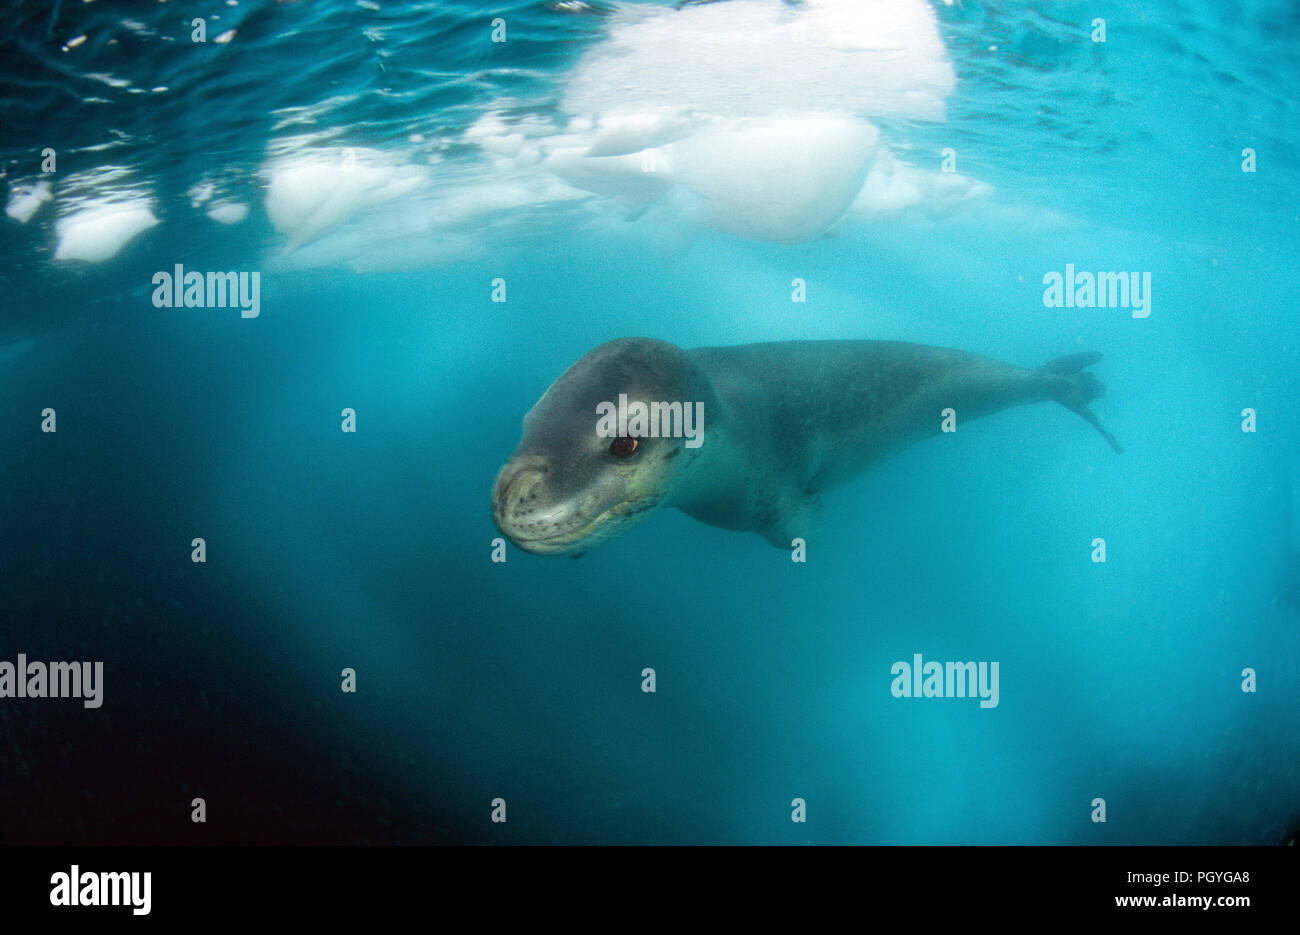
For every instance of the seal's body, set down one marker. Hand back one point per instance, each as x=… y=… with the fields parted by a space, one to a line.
x=782 y=422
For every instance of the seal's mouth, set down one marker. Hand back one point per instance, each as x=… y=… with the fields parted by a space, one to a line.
x=527 y=518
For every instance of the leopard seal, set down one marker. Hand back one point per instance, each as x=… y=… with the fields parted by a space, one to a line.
x=783 y=422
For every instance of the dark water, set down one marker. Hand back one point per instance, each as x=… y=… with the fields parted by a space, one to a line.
x=628 y=170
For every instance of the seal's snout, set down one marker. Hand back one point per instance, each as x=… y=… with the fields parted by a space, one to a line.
x=518 y=492
x=525 y=508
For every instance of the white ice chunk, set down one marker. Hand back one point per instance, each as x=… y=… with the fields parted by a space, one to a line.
x=748 y=58
x=98 y=232
x=312 y=193
x=201 y=192
x=227 y=212
x=894 y=188
x=26 y=200
x=784 y=181
x=622 y=133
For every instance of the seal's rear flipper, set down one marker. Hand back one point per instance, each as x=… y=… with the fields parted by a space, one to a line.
x=1074 y=388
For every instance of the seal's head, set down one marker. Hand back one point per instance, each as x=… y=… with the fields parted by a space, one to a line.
x=572 y=482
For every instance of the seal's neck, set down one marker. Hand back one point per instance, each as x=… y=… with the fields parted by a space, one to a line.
x=713 y=484
x=714 y=478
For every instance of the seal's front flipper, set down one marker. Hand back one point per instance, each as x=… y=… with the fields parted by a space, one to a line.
x=1071 y=363
x=795 y=517
x=1074 y=388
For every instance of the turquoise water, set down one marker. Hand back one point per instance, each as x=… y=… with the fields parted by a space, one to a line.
x=631 y=170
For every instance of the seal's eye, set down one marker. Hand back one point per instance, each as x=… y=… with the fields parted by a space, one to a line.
x=624 y=447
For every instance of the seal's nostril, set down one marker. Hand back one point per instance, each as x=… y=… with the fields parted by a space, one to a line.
x=519 y=492
x=523 y=491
